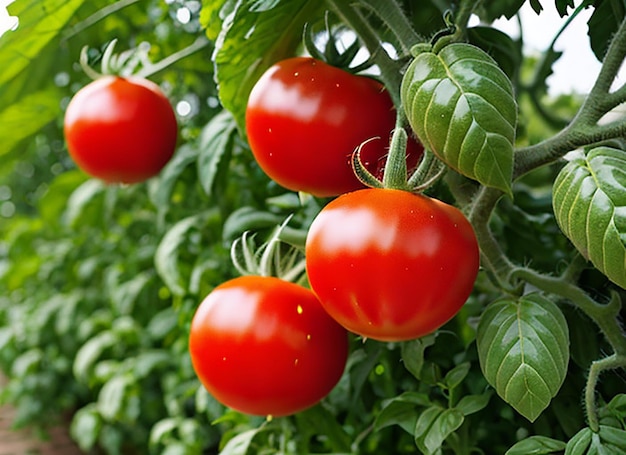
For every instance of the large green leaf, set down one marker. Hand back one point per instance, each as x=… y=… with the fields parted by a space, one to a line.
x=589 y=198
x=27 y=116
x=461 y=106
x=40 y=22
x=216 y=144
x=523 y=348
x=251 y=41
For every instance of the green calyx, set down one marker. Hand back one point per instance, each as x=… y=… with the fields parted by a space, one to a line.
x=395 y=174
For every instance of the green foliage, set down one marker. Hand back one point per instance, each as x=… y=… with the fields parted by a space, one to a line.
x=523 y=348
x=589 y=204
x=98 y=284
x=461 y=106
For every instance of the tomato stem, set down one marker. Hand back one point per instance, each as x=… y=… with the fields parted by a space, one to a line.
x=597 y=367
x=395 y=173
x=389 y=68
x=584 y=128
x=605 y=316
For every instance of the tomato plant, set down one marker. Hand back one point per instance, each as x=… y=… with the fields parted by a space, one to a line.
x=265 y=346
x=304 y=118
x=120 y=129
x=99 y=283
x=391 y=265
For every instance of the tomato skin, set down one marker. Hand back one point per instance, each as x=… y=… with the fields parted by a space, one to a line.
x=391 y=265
x=120 y=130
x=265 y=346
x=305 y=118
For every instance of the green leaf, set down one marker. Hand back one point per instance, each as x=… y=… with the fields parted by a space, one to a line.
x=248 y=219
x=413 y=353
x=81 y=198
x=91 y=351
x=27 y=363
x=613 y=436
x=536 y=5
x=216 y=144
x=162 y=187
x=40 y=22
x=148 y=361
x=461 y=106
x=493 y=10
x=113 y=396
x=471 y=404
x=506 y=52
x=536 y=445
x=213 y=14
x=434 y=425
x=589 y=199
x=456 y=375
x=250 y=42
x=85 y=427
x=402 y=410
x=603 y=23
x=562 y=5
x=523 y=349
x=166 y=258
x=27 y=116
x=240 y=443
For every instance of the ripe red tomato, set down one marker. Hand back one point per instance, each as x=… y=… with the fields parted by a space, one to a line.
x=391 y=265
x=305 y=118
x=120 y=129
x=265 y=346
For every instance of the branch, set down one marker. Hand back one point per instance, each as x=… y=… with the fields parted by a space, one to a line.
x=97 y=16
x=369 y=36
x=153 y=68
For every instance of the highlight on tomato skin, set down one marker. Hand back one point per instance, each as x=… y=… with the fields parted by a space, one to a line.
x=120 y=130
x=391 y=265
x=264 y=346
x=305 y=118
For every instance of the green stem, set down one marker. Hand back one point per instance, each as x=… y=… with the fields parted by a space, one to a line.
x=390 y=69
x=577 y=134
x=491 y=254
x=390 y=12
x=466 y=8
x=584 y=128
x=97 y=17
x=150 y=70
x=597 y=367
x=605 y=316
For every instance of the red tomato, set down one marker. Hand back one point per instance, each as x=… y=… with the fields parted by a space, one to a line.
x=391 y=265
x=265 y=346
x=305 y=118
x=120 y=129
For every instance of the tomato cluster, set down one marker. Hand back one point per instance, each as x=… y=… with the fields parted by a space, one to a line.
x=382 y=263
x=120 y=130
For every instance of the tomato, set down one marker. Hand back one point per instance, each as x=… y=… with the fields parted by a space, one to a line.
x=120 y=129
x=265 y=346
x=304 y=119
x=391 y=265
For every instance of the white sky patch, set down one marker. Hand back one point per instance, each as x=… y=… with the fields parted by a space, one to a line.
x=578 y=67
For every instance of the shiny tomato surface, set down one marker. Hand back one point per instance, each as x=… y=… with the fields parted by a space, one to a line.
x=305 y=118
x=265 y=346
x=391 y=265
x=120 y=130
